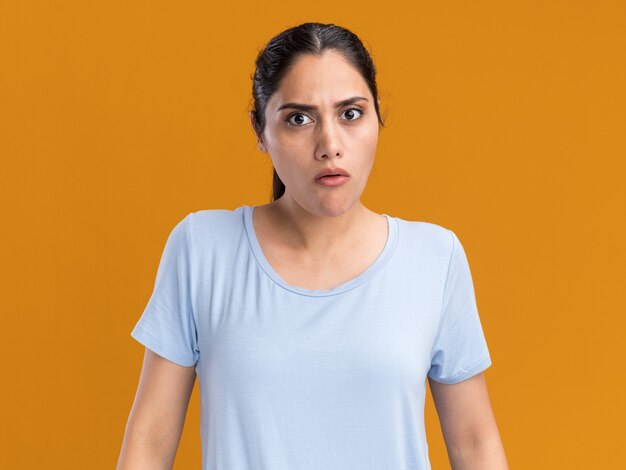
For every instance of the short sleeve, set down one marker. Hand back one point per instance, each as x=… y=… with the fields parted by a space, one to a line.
x=167 y=325
x=460 y=350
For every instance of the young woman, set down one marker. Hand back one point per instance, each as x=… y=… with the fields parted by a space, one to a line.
x=312 y=322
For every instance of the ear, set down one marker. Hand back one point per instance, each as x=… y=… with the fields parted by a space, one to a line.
x=259 y=138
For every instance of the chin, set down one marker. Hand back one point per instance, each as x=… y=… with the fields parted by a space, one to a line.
x=334 y=207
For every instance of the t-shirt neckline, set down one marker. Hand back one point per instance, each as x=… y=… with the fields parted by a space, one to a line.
x=381 y=260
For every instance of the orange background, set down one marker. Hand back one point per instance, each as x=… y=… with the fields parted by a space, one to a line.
x=505 y=122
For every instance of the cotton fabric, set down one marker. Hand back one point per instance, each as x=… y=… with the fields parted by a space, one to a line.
x=299 y=379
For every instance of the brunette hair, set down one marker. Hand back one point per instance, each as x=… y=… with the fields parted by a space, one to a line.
x=279 y=54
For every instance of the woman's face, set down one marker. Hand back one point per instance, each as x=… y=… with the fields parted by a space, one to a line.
x=308 y=129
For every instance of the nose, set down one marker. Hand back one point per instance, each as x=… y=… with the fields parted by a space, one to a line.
x=329 y=140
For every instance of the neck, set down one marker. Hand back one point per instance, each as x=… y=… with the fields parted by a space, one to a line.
x=316 y=233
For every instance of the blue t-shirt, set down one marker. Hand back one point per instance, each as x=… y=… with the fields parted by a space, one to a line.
x=299 y=379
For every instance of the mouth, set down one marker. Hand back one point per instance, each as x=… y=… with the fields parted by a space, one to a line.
x=331 y=172
x=332 y=180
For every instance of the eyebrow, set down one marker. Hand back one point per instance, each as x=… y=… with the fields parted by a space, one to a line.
x=310 y=107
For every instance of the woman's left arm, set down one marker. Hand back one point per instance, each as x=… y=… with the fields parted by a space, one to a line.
x=468 y=425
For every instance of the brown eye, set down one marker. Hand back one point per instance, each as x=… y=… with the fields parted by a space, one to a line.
x=296 y=119
x=350 y=113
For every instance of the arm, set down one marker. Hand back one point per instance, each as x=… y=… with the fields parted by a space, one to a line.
x=468 y=425
x=158 y=414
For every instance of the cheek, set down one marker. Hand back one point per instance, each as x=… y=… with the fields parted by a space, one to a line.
x=367 y=140
x=287 y=142
x=368 y=143
x=287 y=160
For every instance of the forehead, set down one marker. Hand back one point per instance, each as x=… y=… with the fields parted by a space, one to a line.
x=319 y=79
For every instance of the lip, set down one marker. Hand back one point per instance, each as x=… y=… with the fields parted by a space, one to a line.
x=332 y=171
x=337 y=180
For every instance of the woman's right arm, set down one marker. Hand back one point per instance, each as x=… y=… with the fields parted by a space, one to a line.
x=158 y=414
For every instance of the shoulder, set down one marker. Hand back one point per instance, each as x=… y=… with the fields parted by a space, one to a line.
x=216 y=218
x=430 y=236
x=215 y=225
